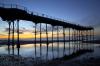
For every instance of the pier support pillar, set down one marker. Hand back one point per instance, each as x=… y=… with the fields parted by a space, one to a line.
x=58 y=40
x=13 y=37
x=47 y=43
x=18 y=43
x=87 y=39
x=52 y=43
x=73 y=39
x=40 y=42
x=93 y=39
x=69 y=41
x=64 y=53
x=9 y=23
x=35 y=42
x=90 y=40
x=79 y=41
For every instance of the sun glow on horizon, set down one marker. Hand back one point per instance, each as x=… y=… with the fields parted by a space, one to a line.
x=27 y=35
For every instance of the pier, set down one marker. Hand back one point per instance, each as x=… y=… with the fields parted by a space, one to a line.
x=78 y=34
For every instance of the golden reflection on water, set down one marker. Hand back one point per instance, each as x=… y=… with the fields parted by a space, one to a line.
x=43 y=45
x=61 y=45
x=27 y=46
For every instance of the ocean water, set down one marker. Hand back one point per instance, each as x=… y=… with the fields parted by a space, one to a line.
x=28 y=50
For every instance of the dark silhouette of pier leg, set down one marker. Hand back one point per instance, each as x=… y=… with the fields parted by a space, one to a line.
x=9 y=38
x=35 y=41
x=52 y=43
x=47 y=43
x=90 y=40
x=58 y=40
x=79 y=41
x=87 y=39
x=64 y=41
x=93 y=39
x=13 y=37
x=40 y=43
x=18 y=43
x=13 y=42
x=74 y=40
x=69 y=41
x=78 y=38
x=83 y=39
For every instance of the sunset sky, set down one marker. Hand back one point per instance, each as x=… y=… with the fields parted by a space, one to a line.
x=83 y=12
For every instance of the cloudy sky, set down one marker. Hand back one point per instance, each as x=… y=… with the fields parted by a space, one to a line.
x=84 y=12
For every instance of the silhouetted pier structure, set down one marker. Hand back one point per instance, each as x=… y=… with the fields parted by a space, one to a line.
x=14 y=13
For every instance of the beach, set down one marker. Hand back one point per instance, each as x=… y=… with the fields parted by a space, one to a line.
x=30 y=62
x=88 y=59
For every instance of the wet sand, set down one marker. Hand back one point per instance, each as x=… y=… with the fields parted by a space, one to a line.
x=84 y=62
x=9 y=60
x=93 y=42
